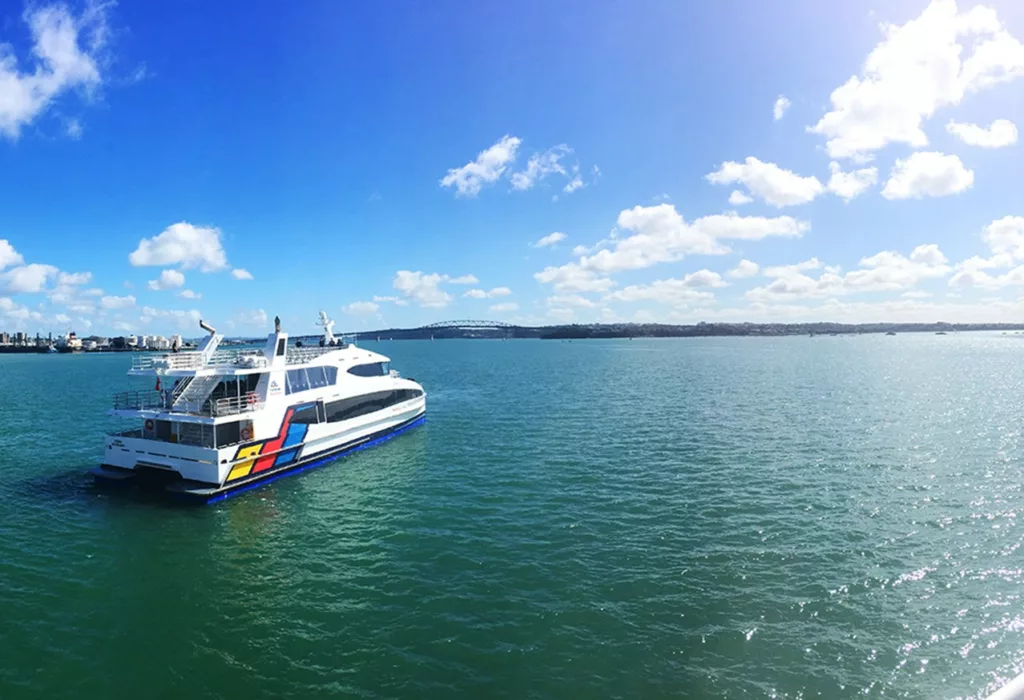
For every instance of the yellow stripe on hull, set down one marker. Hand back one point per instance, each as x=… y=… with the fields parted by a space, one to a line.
x=243 y=468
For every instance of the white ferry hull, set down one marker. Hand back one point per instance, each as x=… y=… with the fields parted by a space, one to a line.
x=190 y=471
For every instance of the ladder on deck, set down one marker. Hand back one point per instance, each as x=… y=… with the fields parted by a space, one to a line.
x=195 y=392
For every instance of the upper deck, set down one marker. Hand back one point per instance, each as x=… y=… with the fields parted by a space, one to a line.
x=233 y=361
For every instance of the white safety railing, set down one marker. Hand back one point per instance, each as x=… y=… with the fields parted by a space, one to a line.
x=300 y=356
x=152 y=400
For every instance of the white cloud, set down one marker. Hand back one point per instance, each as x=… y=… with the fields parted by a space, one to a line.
x=574 y=184
x=999 y=133
x=502 y=308
x=745 y=268
x=27 y=279
x=481 y=294
x=361 y=308
x=178 y=319
x=549 y=239
x=572 y=278
x=240 y=273
x=738 y=199
x=252 y=319
x=1005 y=238
x=422 y=288
x=849 y=185
x=916 y=294
x=464 y=279
x=182 y=244
x=540 y=166
x=66 y=50
x=112 y=302
x=927 y=174
x=570 y=300
x=675 y=292
x=397 y=301
x=561 y=315
x=169 y=279
x=489 y=165
x=659 y=234
x=781 y=105
x=884 y=271
x=918 y=68
x=74 y=278
x=767 y=181
x=189 y=294
x=8 y=255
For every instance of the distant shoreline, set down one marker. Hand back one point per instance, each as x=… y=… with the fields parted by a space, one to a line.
x=659 y=330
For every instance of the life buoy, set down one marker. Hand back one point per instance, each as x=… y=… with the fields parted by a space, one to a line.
x=251 y=398
x=149 y=424
x=246 y=433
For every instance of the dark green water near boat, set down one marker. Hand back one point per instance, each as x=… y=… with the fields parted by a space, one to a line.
x=795 y=517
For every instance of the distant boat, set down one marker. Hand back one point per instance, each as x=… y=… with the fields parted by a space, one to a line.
x=940 y=333
x=891 y=333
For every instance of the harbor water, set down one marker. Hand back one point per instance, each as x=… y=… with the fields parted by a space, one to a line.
x=789 y=517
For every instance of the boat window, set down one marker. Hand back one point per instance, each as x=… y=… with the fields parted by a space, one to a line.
x=356 y=406
x=228 y=433
x=306 y=415
x=316 y=377
x=296 y=381
x=375 y=369
x=281 y=343
x=332 y=374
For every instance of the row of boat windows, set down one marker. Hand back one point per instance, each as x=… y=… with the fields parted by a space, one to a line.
x=345 y=409
x=315 y=377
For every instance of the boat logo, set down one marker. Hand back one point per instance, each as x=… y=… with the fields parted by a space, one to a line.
x=275 y=388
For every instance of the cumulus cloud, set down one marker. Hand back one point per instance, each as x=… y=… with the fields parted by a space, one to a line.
x=767 y=181
x=250 y=319
x=504 y=308
x=540 y=166
x=114 y=302
x=66 y=51
x=570 y=300
x=27 y=279
x=738 y=199
x=169 y=279
x=8 y=255
x=932 y=61
x=489 y=165
x=481 y=294
x=240 y=273
x=1005 y=239
x=781 y=105
x=549 y=240
x=179 y=319
x=998 y=134
x=675 y=292
x=182 y=244
x=851 y=184
x=927 y=174
x=361 y=308
x=744 y=268
x=884 y=271
x=659 y=234
x=424 y=290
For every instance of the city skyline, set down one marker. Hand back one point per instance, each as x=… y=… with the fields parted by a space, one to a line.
x=396 y=166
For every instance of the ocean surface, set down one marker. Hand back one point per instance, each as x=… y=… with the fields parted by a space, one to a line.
x=829 y=517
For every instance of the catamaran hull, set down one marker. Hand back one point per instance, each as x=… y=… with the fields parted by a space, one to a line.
x=209 y=493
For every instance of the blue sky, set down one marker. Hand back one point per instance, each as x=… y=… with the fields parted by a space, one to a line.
x=405 y=163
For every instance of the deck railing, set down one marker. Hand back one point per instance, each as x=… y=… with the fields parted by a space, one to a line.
x=242 y=357
x=152 y=400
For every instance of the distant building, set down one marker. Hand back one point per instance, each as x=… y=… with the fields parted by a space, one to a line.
x=19 y=338
x=5 y=338
x=142 y=341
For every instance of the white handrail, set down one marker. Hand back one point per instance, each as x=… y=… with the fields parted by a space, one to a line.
x=1014 y=690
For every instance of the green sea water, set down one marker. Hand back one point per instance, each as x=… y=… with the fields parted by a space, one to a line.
x=726 y=517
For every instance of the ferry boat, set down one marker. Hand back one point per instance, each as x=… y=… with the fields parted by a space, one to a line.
x=220 y=421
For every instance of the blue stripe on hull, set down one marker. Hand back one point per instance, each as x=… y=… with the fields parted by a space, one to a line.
x=311 y=462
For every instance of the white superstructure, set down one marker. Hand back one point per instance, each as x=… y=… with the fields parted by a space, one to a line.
x=218 y=420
